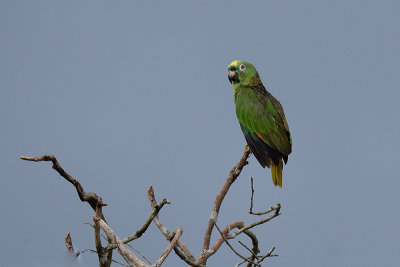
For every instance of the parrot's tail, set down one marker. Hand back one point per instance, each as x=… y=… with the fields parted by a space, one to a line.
x=276 y=171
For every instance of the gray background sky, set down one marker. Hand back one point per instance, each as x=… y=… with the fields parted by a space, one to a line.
x=129 y=94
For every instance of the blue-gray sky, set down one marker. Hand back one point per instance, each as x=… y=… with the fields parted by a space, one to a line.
x=128 y=94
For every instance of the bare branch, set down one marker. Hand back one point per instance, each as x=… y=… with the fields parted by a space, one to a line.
x=88 y=249
x=276 y=208
x=180 y=249
x=255 y=250
x=237 y=253
x=94 y=251
x=251 y=251
x=91 y=198
x=269 y=254
x=183 y=257
x=97 y=242
x=139 y=233
x=125 y=253
x=120 y=263
x=251 y=203
x=140 y=253
x=129 y=256
x=92 y=225
x=68 y=243
x=105 y=253
x=225 y=231
x=233 y=174
x=240 y=263
x=242 y=229
x=70 y=247
x=251 y=199
x=171 y=245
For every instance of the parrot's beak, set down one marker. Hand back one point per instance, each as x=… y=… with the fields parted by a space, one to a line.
x=232 y=75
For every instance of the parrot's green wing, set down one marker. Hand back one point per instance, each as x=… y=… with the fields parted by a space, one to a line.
x=264 y=126
x=263 y=116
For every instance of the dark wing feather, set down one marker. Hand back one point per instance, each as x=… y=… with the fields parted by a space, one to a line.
x=261 y=150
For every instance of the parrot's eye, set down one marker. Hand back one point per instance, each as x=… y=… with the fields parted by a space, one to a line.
x=242 y=67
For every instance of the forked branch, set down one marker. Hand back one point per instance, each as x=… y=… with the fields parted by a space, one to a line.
x=233 y=175
x=105 y=253
x=105 y=256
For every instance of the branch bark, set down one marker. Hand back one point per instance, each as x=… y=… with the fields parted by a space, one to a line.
x=171 y=245
x=233 y=175
x=230 y=246
x=105 y=253
x=139 y=233
x=129 y=257
x=70 y=247
x=105 y=257
x=276 y=208
x=180 y=248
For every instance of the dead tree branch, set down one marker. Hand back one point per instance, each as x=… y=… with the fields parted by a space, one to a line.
x=251 y=203
x=105 y=256
x=90 y=198
x=275 y=208
x=269 y=254
x=140 y=253
x=105 y=253
x=139 y=233
x=70 y=247
x=180 y=248
x=230 y=246
x=129 y=257
x=248 y=249
x=233 y=175
x=171 y=245
x=239 y=225
x=207 y=251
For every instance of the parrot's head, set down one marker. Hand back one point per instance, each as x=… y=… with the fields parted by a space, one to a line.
x=244 y=73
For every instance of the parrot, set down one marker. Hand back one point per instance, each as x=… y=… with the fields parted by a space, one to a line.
x=261 y=119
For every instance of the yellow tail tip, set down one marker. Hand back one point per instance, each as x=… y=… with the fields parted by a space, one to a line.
x=276 y=172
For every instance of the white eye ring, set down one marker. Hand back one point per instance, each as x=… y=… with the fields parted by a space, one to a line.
x=242 y=67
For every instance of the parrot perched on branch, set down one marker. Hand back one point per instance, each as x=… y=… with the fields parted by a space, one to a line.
x=261 y=118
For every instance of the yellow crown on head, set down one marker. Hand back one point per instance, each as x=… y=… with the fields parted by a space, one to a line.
x=234 y=63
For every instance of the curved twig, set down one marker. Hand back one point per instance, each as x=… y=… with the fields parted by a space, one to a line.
x=230 y=246
x=91 y=198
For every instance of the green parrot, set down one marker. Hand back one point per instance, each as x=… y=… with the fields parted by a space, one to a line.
x=261 y=118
